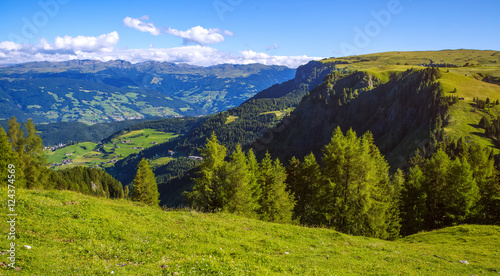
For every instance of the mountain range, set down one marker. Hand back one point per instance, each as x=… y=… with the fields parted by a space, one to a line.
x=92 y=91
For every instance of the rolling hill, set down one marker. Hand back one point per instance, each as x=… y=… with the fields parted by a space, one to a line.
x=66 y=233
x=389 y=95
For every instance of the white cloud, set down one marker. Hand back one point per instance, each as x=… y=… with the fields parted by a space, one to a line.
x=197 y=34
x=140 y=25
x=250 y=56
x=102 y=43
x=200 y=35
x=103 y=48
x=9 y=46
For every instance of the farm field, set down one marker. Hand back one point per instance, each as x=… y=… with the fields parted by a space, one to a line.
x=105 y=155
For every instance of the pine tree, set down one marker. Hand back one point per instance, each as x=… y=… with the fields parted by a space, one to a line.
x=461 y=192
x=307 y=191
x=7 y=157
x=126 y=192
x=145 y=188
x=413 y=199
x=358 y=197
x=17 y=141
x=239 y=193
x=276 y=202
x=209 y=190
x=436 y=174
x=35 y=172
x=254 y=175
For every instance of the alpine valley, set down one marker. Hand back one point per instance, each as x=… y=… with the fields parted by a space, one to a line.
x=385 y=164
x=93 y=92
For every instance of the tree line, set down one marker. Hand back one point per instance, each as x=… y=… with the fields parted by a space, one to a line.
x=24 y=150
x=350 y=189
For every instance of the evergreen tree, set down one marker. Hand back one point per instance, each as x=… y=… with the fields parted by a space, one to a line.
x=393 y=228
x=276 y=202
x=240 y=199
x=34 y=160
x=254 y=175
x=126 y=192
x=145 y=188
x=307 y=191
x=360 y=198
x=7 y=157
x=482 y=164
x=17 y=141
x=461 y=192
x=209 y=190
x=16 y=136
x=292 y=175
x=413 y=202
x=436 y=174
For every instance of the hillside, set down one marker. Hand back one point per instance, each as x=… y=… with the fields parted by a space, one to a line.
x=92 y=91
x=382 y=93
x=69 y=233
x=376 y=94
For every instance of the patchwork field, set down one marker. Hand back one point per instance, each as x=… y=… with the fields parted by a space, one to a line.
x=105 y=155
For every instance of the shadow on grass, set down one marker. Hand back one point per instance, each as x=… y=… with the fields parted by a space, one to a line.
x=494 y=143
x=475 y=126
x=480 y=134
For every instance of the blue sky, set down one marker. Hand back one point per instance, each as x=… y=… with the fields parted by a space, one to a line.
x=240 y=31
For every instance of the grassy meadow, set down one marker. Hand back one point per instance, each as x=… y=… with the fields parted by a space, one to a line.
x=75 y=234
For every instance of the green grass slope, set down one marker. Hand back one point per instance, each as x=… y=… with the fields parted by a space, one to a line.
x=73 y=234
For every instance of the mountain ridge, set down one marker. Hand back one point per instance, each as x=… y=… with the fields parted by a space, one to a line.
x=92 y=91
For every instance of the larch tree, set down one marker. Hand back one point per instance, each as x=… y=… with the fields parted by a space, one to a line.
x=307 y=191
x=240 y=199
x=209 y=191
x=436 y=179
x=254 y=174
x=18 y=144
x=461 y=192
x=145 y=187
x=276 y=202
x=34 y=159
x=357 y=191
x=7 y=157
x=413 y=202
